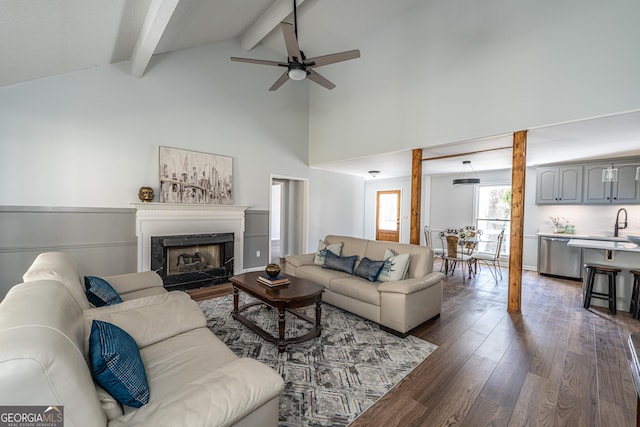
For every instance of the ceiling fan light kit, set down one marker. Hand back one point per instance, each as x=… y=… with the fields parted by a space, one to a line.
x=298 y=66
x=467 y=181
x=297 y=74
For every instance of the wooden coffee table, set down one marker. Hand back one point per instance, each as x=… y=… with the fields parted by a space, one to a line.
x=299 y=293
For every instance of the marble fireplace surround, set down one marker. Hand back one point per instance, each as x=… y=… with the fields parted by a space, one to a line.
x=164 y=219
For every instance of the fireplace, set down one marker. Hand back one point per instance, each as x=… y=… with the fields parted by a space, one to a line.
x=193 y=260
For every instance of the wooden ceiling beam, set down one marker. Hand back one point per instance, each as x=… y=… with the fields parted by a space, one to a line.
x=267 y=23
x=448 y=156
x=158 y=16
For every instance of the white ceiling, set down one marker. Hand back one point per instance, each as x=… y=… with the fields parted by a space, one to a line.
x=45 y=38
x=602 y=138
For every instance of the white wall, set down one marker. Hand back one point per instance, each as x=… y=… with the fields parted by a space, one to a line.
x=450 y=71
x=337 y=206
x=91 y=138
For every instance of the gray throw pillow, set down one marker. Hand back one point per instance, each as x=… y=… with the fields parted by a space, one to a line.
x=369 y=269
x=340 y=263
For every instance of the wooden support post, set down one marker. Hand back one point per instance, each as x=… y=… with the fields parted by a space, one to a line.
x=416 y=196
x=518 y=175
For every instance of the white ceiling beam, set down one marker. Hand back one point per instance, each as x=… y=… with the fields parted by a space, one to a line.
x=266 y=23
x=155 y=23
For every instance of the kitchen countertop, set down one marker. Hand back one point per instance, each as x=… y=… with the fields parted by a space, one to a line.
x=610 y=245
x=584 y=236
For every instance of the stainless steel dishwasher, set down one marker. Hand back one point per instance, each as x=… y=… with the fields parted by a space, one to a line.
x=557 y=259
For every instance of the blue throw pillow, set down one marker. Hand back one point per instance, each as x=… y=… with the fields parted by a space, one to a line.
x=99 y=292
x=116 y=364
x=369 y=269
x=340 y=263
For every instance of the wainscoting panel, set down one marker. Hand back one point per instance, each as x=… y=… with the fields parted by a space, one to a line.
x=256 y=238
x=102 y=240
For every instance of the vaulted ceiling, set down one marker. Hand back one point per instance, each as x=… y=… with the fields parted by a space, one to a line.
x=45 y=38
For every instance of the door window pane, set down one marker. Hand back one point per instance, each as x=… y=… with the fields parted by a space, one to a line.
x=388 y=211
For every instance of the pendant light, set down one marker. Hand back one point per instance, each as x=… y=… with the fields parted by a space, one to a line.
x=467 y=181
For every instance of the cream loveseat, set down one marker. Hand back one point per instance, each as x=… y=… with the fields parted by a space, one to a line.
x=398 y=306
x=193 y=378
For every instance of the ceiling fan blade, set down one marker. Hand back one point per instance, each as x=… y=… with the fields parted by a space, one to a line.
x=259 y=61
x=319 y=79
x=291 y=41
x=319 y=61
x=283 y=78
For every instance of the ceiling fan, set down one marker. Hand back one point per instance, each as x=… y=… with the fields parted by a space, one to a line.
x=298 y=66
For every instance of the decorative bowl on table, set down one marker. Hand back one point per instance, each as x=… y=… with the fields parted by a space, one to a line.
x=272 y=270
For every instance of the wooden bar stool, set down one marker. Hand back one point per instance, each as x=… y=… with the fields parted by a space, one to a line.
x=611 y=273
x=635 y=304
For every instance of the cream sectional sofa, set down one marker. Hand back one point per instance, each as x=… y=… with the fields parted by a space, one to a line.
x=194 y=379
x=398 y=306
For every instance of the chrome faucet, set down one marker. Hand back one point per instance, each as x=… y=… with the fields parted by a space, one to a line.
x=617 y=227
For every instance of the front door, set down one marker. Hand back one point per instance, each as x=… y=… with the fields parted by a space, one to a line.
x=388 y=215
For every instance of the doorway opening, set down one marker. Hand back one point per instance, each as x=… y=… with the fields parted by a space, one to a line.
x=287 y=217
x=388 y=215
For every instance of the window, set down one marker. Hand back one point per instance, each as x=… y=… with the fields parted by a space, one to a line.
x=493 y=214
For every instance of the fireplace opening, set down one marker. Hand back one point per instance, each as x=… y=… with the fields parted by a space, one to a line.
x=193 y=260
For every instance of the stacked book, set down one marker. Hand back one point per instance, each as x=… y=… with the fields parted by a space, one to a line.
x=279 y=280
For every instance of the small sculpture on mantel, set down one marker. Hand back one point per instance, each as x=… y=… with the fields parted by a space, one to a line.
x=145 y=194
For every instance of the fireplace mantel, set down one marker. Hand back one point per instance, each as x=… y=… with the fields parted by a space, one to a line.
x=164 y=219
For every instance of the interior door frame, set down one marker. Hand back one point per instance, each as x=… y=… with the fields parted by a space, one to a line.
x=304 y=209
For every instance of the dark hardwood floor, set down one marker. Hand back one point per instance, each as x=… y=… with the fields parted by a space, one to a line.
x=554 y=364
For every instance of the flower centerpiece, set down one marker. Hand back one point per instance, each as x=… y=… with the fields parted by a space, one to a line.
x=559 y=223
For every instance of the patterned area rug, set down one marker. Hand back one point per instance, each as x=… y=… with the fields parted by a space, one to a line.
x=332 y=379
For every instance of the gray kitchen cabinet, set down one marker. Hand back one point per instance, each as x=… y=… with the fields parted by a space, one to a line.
x=624 y=191
x=559 y=185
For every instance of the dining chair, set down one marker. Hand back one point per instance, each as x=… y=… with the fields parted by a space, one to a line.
x=491 y=260
x=471 y=236
x=437 y=252
x=453 y=254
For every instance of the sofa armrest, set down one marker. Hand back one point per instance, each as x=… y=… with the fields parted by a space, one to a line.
x=409 y=286
x=300 y=260
x=219 y=398
x=151 y=319
x=124 y=283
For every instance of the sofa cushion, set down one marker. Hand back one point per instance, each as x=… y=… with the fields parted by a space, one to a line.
x=356 y=288
x=320 y=276
x=189 y=355
x=368 y=269
x=335 y=248
x=116 y=364
x=99 y=292
x=395 y=266
x=340 y=263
